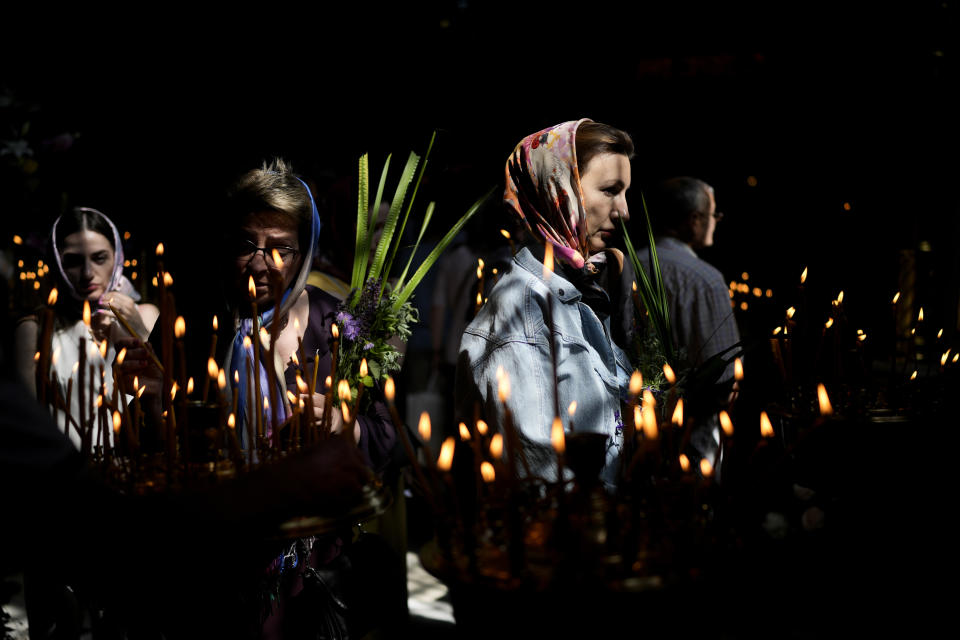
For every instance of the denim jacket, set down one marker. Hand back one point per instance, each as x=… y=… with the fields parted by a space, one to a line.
x=511 y=331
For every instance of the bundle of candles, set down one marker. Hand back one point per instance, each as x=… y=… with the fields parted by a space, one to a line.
x=189 y=437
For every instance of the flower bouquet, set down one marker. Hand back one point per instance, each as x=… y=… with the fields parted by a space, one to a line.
x=377 y=314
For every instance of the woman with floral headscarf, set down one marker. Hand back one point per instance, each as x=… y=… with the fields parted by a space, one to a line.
x=86 y=248
x=567 y=184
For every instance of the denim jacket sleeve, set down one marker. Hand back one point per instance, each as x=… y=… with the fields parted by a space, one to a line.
x=512 y=334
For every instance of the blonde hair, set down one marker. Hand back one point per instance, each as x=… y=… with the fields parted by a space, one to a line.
x=272 y=187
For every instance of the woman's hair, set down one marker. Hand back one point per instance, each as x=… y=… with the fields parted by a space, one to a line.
x=82 y=219
x=594 y=138
x=272 y=188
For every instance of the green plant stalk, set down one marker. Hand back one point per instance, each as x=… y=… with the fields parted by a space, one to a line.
x=407 y=289
x=390 y=224
x=413 y=197
x=363 y=209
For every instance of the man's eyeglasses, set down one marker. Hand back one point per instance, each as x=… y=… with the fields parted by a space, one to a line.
x=246 y=250
x=717 y=215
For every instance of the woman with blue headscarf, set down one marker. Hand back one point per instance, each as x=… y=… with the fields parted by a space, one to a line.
x=278 y=219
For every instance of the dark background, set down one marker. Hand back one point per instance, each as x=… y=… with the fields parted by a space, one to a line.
x=148 y=113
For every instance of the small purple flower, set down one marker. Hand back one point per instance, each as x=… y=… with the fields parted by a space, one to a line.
x=368 y=346
x=351 y=328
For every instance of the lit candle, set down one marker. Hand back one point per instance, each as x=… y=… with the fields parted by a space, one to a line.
x=559 y=442
x=389 y=391
x=255 y=337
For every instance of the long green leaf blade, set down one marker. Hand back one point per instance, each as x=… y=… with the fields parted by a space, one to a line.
x=363 y=209
x=408 y=289
x=390 y=224
x=413 y=197
x=413 y=252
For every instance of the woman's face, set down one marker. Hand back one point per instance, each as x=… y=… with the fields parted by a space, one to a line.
x=266 y=230
x=604 y=182
x=87 y=260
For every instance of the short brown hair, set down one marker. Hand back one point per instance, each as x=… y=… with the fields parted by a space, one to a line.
x=594 y=138
x=272 y=187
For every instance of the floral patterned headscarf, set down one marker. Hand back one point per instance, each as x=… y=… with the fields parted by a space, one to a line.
x=543 y=188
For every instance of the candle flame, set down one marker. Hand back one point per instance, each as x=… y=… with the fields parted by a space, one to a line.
x=36 y=357
x=232 y=421
x=335 y=331
x=684 y=462
x=247 y=342
x=424 y=426
x=939 y=334
x=668 y=373
x=637 y=415
x=363 y=367
x=464 y=432
x=17 y=239
x=212 y=368
x=920 y=315
x=328 y=382
x=572 y=408
x=828 y=324
x=790 y=312
x=956 y=357
x=159 y=250
x=236 y=376
x=116 y=421
x=252 y=288
x=944 y=357
x=301 y=385
x=292 y=397
x=99 y=401
x=766 y=427
x=221 y=379
x=547 y=261
x=153 y=280
x=52 y=297
x=505 y=233
x=136 y=382
x=896 y=297
x=103 y=349
x=482 y=427
x=677 y=418
x=277 y=260
x=726 y=423
x=141 y=390
x=216 y=323
x=557 y=438
x=738 y=369
x=824 y=400
x=913 y=376
x=777 y=330
x=173 y=391
x=121 y=356
x=266 y=404
x=503 y=385
x=179 y=327
x=706 y=468
x=479 y=299
x=86 y=312
x=803 y=276
x=634 y=285
x=445 y=459
x=189 y=385
x=167 y=279
x=650 y=428
x=343 y=390
x=487 y=472
x=496 y=445
x=840 y=297
x=636 y=383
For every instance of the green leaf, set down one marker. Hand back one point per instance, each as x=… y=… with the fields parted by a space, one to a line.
x=413 y=252
x=367 y=381
x=416 y=187
x=363 y=212
x=361 y=259
x=386 y=238
x=409 y=287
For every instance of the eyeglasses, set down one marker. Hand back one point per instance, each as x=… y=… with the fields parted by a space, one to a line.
x=245 y=251
x=717 y=215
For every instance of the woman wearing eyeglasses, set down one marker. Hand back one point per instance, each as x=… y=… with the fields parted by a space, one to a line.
x=278 y=220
